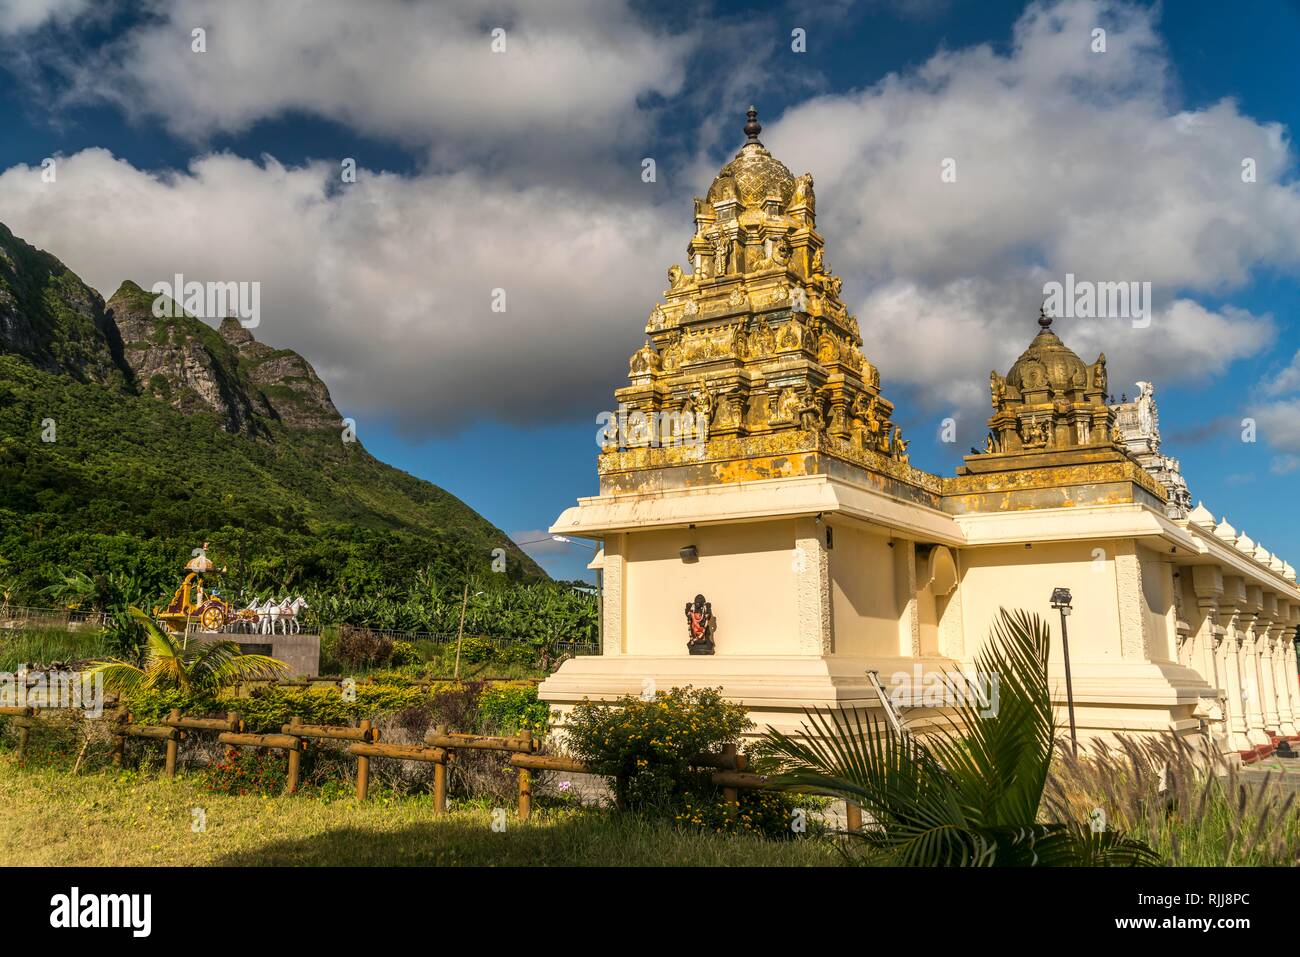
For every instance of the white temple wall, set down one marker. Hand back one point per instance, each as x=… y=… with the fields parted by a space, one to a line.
x=749 y=573
x=1016 y=577
x=865 y=597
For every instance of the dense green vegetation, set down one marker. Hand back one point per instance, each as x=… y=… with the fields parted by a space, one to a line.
x=130 y=487
x=106 y=515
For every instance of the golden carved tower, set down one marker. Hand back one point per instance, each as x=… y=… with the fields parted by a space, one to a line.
x=752 y=361
x=1052 y=438
x=1049 y=399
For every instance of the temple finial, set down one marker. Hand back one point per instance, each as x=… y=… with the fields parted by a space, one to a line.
x=753 y=127
x=1044 y=319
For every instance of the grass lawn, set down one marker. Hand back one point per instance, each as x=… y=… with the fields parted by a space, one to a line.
x=49 y=817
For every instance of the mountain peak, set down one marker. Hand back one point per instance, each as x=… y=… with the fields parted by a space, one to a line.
x=234 y=332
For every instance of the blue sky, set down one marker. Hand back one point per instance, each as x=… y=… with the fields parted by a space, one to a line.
x=521 y=170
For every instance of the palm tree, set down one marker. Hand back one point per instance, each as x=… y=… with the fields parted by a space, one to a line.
x=173 y=662
x=968 y=792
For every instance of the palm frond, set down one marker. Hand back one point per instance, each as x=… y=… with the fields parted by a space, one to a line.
x=118 y=676
x=968 y=790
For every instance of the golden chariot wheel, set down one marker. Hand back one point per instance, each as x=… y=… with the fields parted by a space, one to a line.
x=212 y=619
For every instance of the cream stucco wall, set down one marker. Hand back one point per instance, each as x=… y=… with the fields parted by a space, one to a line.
x=747 y=571
x=802 y=621
x=1016 y=577
x=864 y=600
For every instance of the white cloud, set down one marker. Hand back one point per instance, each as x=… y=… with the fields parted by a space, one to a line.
x=1068 y=161
x=944 y=338
x=1285 y=464
x=21 y=16
x=1288 y=380
x=1279 y=423
x=419 y=73
x=385 y=285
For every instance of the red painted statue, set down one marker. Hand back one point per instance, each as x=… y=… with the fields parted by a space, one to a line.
x=700 y=626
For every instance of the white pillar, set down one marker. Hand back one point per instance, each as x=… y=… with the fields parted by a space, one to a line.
x=1234 y=594
x=1266 y=626
x=614 y=592
x=812 y=569
x=1134 y=631
x=1284 y=668
x=1206 y=655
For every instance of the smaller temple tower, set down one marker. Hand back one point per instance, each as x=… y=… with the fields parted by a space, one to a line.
x=1052 y=441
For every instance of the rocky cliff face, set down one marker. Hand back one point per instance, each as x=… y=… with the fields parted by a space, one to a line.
x=50 y=317
x=286 y=381
x=184 y=362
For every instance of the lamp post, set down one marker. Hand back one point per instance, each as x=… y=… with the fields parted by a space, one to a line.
x=1061 y=602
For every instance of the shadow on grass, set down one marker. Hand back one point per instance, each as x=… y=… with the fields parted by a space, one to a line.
x=588 y=839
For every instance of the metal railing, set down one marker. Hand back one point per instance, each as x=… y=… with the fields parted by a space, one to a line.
x=449 y=638
x=18 y=617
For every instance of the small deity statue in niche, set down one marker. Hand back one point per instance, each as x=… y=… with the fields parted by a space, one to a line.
x=997 y=390
x=803 y=193
x=898 y=447
x=700 y=625
x=721 y=254
x=811 y=410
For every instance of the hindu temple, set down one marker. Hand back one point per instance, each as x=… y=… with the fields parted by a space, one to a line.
x=757 y=492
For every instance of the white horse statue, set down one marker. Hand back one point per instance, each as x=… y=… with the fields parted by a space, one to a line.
x=268 y=614
x=248 y=620
x=289 y=613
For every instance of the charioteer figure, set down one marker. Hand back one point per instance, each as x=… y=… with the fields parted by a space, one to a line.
x=700 y=625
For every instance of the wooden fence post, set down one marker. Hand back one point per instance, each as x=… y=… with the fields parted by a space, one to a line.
x=170 y=768
x=295 y=758
x=853 y=816
x=526 y=783
x=119 y=741
x=730 y=795
x=363 y=770
x=440 y=780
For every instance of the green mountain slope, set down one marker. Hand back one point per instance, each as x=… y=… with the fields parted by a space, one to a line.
x=126 y=441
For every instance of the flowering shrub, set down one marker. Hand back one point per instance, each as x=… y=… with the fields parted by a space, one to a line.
x=248 y=771
x=514 y=707
x=771 y=814
x=645 y=747
x=404 y=653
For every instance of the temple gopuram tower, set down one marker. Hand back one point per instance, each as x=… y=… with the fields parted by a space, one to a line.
x=753 y=367
x=764 y=531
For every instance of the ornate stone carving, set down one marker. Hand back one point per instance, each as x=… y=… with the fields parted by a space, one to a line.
x=645 y=360
x=762 y=314
x=1137 y=424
